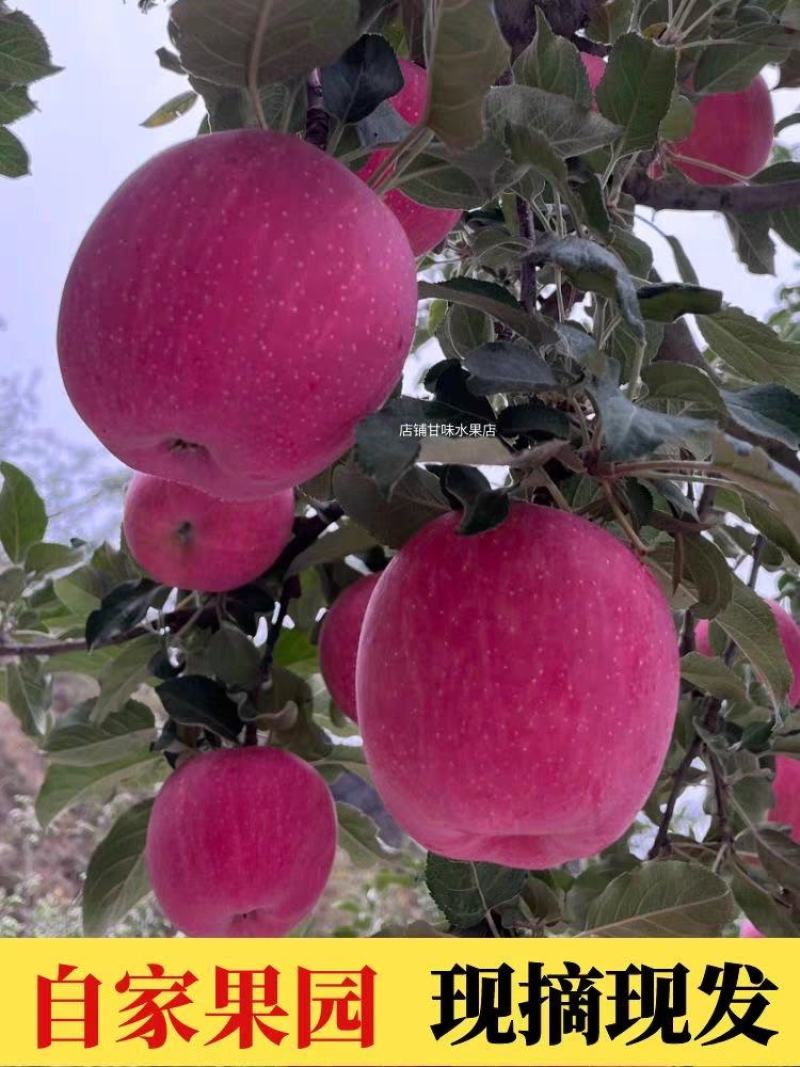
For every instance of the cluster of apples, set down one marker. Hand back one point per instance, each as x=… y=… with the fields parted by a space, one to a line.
x=238 y=306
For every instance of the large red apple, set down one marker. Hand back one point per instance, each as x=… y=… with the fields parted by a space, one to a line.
x=731 y=130
x=425 y=226
x=516 y=689
x=187 y=539
x=338 y=642
x=240 y=303
x=241 y=843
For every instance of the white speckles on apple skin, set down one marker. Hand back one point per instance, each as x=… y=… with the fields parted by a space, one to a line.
x=521 y=716
x=245 y=292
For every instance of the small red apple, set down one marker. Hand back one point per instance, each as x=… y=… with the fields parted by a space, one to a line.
x=189 y=540
x=748 y=930
x=239 y=304
x=731 y=130
x=338 y=642
x=426 y=227
x=516 y=689
x=241 y=843
x=595 y=68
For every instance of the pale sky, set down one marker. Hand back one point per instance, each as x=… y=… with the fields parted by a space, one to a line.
x=86 y=139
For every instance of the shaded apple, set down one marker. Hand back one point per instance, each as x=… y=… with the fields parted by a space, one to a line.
x=595 y=68
x=516 y=689
x=731 y=130
x=786 y=789
x=239 y=304
x=426 y=227
x=241 y=843
x=185 y=538
x=338 y=642
x=748 y=930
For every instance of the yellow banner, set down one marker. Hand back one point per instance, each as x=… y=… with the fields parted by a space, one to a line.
x=404 y=1002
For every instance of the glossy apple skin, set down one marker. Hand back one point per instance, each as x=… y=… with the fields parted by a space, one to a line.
x=786 y=785
x=241 y=843
x=187 y=539
x=426 y=227
x=516 y=689
x=731 y=130
x=239 y=304
x=338 y=642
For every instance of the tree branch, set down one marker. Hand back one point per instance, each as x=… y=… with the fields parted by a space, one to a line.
x=743 y=199
x=517 y=18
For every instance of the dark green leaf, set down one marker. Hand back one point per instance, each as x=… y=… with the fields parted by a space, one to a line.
x=710 y=675
x=123 y=675
x=12 y=584
x=64 y=786
x=484 y=508
x=116 y=878
x=122 y=610
x=79 y=742
x=567 y=127
x=502 y=367
x=194 y=700
x=359 y=836
x=554 y=64
x=363 y=77
x=767 y=410
x=710 y=574
x=494 y=301
x=751 y=349
x=667 y=302
x=24 y=55
x=467 y=892
x=233 y=658
x=14 y=103
x=752 y=242
x=748 y=621
x=416 y=501
x=28 y=692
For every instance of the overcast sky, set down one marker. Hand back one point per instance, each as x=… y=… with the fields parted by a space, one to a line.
x=86 y=139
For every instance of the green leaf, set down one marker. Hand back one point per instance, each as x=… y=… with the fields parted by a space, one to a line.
x=123 y=675
x=116 y=878
x=346 y=540
x=23 y=520
x=440 y=177
x=785 y=222
x=729 y=68
x=122 y=610
x=554 y=64
x=751 y=349
x=754 y=472
x=708 y=570
x=769 y=523
x=685 y=269
x=28 y=693
x=215 y=40
x=662 y=899
x=466 y=55
x=494 y=301
x=502 y=367
x=358 y=836
x=636 y=91
x=780 y=856
x=171 y=110
x=748 y=621
x=82 y=743
x=565 y=126
x=631 y=430
x=194 y=700
x=64 y=786
x=12 y=584
x=681 y=381
x=363 y=77
x=24 y=55
x=752 y=241
x=416 y=500
x=233 y=658
x=767 y=410
x=46 y=556
x=667 y=302
x=464 y=329
x=597 y=269
x=710 y=675
x=770 y=918
x=467 y=892
x=483 y=508
x=14 y=103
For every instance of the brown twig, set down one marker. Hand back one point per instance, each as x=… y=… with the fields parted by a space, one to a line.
x=742 y=199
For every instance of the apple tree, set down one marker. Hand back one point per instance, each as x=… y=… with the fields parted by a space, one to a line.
x=431 y=456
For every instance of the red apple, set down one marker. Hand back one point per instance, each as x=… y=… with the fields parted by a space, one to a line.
x=786 y=788
x=241 y=843
x=338 y=642
x=239 y=304
x=748 y=930
x=425 y=226
x=516 y=689
x=190 y=540
x=731 y=130
x=789 y=633
x=595 y=68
